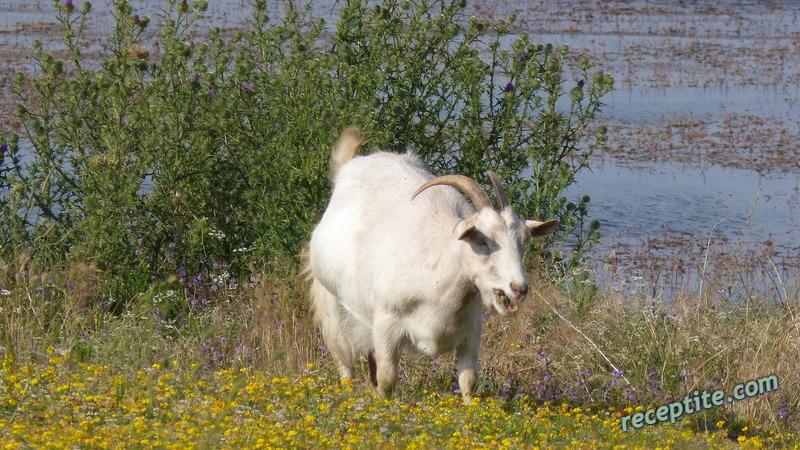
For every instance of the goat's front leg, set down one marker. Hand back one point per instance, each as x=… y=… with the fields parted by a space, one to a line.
x=467 y=354
x=385 y=359
x=467 y=372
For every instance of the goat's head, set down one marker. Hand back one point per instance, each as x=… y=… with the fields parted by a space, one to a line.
x=493 y=242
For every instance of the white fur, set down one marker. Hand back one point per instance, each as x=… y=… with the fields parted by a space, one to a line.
x=389 y=273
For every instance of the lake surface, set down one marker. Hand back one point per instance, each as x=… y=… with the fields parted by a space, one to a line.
x=659 y=221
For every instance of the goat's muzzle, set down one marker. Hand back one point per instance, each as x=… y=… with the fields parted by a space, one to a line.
x=509 y=306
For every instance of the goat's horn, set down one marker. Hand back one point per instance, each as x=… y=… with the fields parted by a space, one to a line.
x=498 y=190
x=464 y=184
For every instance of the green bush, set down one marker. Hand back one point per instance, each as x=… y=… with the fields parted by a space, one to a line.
x=213 y=147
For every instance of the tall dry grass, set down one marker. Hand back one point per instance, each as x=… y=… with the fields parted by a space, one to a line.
x=619 y=349
x=643 y=350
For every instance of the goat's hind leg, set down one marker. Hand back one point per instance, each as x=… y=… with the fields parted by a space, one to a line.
x=328 y=316
x=373 y=369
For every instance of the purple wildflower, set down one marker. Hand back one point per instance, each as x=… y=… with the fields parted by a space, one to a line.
x=510 y=87
x=137 y=18
x=580 y=83
x=522 y=57
x=248 y=87
x=211 y=92
x=3 y=148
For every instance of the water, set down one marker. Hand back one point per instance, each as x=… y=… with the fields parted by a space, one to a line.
x=705 y=126
x=738 y=203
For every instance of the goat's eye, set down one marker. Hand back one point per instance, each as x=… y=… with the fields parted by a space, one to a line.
x=480 y=240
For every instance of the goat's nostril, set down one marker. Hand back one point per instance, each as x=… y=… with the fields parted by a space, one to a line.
x=519 y=291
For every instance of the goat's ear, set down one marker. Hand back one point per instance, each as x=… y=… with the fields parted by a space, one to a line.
x=465 y=228
x=541 y=228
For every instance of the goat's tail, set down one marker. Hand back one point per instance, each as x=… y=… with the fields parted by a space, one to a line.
x=346 y=147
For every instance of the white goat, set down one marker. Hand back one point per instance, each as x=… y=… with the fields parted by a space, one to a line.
x=395 y=263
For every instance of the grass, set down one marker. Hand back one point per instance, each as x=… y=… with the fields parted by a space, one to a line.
x=247 y=369
x=58 y=402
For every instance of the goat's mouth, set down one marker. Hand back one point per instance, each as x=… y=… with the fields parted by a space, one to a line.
x=506 y=305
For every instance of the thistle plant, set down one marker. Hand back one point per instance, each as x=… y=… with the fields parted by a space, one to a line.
x=212 y=146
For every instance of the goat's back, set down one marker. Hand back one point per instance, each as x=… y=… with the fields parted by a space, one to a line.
x=373 y=235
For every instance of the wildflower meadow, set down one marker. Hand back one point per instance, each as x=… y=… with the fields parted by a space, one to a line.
x=161 y=172
x=58 y=403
